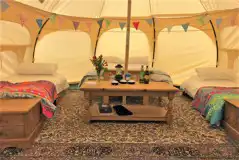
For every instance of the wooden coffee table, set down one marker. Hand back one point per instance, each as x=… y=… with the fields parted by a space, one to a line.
x=144 y=112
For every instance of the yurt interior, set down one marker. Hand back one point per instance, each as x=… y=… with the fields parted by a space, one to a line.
x=119 y=79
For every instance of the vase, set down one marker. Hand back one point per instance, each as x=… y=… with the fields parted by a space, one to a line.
x=98 y=76
x=98 y=79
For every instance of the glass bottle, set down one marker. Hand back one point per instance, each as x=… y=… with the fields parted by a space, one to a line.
x=141 y=74
x=146 y=75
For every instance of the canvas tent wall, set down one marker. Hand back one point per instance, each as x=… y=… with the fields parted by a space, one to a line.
x=177 y=38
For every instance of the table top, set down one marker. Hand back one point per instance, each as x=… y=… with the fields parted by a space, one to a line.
x=17 y=105
x=234 y=102
x=106 y=85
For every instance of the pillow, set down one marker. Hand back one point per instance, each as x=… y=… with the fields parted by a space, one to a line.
x=212 y=73
x=37 y=68
x=113 y=59
x=139 y=60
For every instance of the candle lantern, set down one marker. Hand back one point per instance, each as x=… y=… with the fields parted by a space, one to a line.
x=119 y=72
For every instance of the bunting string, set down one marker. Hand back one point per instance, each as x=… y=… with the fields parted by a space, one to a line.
x=200 y=19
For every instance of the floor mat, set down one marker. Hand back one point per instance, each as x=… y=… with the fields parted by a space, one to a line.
x=67 y=136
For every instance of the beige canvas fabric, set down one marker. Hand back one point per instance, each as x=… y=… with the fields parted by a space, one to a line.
x=175 y=51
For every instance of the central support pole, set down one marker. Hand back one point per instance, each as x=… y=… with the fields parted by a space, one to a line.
x=127 y=36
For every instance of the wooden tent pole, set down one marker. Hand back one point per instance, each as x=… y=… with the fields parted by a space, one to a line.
x=127 y=36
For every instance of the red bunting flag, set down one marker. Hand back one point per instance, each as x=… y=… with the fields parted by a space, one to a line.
x=136 y=25
x=23 y=19
x=60 y=21
x=233 y=19
x=88 y=24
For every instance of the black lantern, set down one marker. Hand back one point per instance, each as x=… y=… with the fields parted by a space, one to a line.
x=119 y=72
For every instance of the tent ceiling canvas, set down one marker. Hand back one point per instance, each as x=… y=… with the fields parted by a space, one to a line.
x=140 y=8
x=164 y=41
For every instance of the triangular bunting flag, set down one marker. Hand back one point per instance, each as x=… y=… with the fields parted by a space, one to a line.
x=185 y=27
x=100 y=21
x=107 y=22
x=23 y=19
x=4 y=6
x=207 y=18
x=122 y=24
x=75 y=24
x=60 y=21
x=53 y=18
x=136 y=25
x=149 y=21
x=201 y=20
x=218 y=22
x=88 y=24
x=169 y=28
x=39 y=22
x=233 y=19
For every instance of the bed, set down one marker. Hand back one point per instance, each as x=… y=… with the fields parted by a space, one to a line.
x=209 y=88
x=192 y=84
x=57 y=79
x=30 y=80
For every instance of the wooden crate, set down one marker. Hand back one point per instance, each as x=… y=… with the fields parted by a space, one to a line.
x=20 y=122
x=231 y=119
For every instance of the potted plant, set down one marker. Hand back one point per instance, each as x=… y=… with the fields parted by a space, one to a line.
x=100 y=66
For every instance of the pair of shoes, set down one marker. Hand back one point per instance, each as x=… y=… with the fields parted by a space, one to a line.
x=122 y=111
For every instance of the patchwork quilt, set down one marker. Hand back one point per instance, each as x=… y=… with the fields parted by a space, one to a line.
x=209 y=101
x=44 y=89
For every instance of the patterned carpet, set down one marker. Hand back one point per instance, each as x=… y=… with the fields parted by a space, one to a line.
x=66 y=136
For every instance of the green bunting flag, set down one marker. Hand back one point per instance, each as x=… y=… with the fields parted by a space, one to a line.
x=53 y=18
x=149 y=21
x=185 y=26
x=218 y=22
x=39 y=22
x=169 y=28
x=107 y=22
x=122 y=24
x=201 y=20
x=100 y=21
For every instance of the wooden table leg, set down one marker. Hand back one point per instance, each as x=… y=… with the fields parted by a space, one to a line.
x=145 y=100
x=170 y=108
x=124 y=100
x=87 y=108
x=106 y=99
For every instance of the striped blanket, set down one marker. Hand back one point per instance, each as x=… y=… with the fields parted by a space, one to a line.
x=209 y=101
x=44 y=89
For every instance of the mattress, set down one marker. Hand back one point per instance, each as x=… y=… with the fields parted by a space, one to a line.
x=58 y=79
x=191 y=85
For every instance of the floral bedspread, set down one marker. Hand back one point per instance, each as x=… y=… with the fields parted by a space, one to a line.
x=209 y=101
x=44 y=89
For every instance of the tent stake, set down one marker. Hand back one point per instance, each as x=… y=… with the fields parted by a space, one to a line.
x=127 y=37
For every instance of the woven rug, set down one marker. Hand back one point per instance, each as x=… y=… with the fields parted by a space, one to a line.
x=66 y=136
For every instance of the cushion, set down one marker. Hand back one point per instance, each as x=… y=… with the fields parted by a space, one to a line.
x=8 y=63
x=113 y=59
x=143 y=60
x=212 y=73
x=37 y=68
